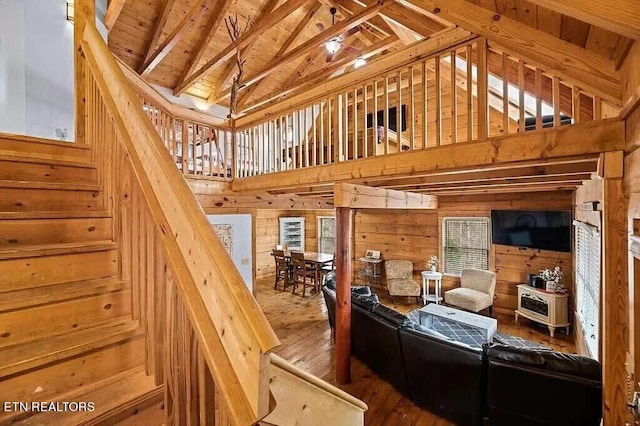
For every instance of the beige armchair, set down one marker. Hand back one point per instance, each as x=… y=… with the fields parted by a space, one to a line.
x=476 y=291
x=399 y=279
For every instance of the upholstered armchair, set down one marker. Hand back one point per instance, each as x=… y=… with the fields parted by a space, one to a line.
x=476 y=291
x=399 y=279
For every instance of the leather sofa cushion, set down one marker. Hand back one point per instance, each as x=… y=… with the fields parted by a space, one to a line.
x=394 y=317
x=375 y=342
x=361 y=289
x=557 y=362
x=367 y=303
x=444 y=377
x=330 y=280
x=330 y=301
x=560 y=389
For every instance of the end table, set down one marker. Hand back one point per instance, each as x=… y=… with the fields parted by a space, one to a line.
x=436 y=277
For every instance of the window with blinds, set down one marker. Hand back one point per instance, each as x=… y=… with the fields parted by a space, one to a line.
x=465 y=243
x=327 y=234
x=588 y=284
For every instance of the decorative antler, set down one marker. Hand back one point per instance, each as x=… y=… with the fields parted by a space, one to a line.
x=235 y=32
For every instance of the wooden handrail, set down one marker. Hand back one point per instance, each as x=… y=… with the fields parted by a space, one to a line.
x=303 y=399
x=234 y=335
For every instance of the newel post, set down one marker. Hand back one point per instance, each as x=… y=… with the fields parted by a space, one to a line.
x=84 y=10
x=344 y=230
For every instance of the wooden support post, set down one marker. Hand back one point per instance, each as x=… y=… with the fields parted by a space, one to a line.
x=344 y=230
x=483 y=91
x=615 y=292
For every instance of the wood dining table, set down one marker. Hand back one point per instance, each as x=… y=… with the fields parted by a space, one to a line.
x=314 y=259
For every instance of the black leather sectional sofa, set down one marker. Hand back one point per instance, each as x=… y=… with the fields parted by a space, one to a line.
x=494 y=385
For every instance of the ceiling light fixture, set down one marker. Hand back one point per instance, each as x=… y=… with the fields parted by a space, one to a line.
x=360 y=62
x=333 y=45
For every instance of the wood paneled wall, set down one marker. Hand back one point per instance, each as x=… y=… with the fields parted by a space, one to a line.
x=415 y=236
x=268 y=235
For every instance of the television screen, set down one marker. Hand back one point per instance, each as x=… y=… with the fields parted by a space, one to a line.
x=539 y=229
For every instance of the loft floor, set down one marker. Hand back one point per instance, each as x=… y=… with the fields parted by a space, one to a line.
x=303 y=329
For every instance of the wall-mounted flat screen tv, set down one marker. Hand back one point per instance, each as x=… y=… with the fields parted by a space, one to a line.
x=539 y=229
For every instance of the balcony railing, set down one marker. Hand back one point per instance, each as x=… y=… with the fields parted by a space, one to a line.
x=468 y=92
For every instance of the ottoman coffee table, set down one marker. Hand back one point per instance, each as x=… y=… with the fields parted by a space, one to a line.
x=487 y=326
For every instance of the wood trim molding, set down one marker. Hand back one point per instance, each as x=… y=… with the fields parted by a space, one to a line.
x=634 y=246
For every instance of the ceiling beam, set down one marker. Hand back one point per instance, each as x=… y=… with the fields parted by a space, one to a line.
x=158 y=28
x=376 y=23
x=298 y=83
x=481 y=176
x=232 y=67
x=187 y=23
x=589 y=70
x=621 y=17
x=411 y=54
x=247 y=92
x=367 y=197
x=310 y=45
x=510 y=189
x=580 y=139
x=263 y=200
x=529 y=180
x=416 y=22
x=113 y=12
x=245 y=39
x=221 y=9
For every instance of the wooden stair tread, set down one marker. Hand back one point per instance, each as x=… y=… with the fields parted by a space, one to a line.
x=27 y=355
x=45 y=159
x=54 y=249
x=50 y=185
x=37 y=296
x=54 y=215
x=110 y=397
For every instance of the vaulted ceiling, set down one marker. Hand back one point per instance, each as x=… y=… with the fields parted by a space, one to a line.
x=184 y=45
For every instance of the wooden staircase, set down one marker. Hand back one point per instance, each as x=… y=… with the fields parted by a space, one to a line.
x=66 y=327
x=114 y=288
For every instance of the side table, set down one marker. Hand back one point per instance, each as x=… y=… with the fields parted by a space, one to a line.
x=371 y=272
x=436 y=277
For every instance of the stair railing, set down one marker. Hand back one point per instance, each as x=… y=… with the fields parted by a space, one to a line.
x=208 y=341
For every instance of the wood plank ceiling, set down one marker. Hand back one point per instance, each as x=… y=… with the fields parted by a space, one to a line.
x=173 y=43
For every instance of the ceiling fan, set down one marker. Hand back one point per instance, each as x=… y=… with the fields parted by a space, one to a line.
x=336 y=43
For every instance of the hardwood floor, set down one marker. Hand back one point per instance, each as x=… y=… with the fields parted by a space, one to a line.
x=303 y=329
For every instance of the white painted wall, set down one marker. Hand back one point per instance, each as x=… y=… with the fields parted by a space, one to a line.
x=242 y=243
x=36 y=68
x=12 y=70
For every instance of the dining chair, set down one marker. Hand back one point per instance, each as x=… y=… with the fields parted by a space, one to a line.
x=283 y=269
x=302 y=274
x=326 y=268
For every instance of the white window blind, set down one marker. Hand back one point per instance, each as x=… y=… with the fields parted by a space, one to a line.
x=465 y=244
x=327 y=234
x=588 y=284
